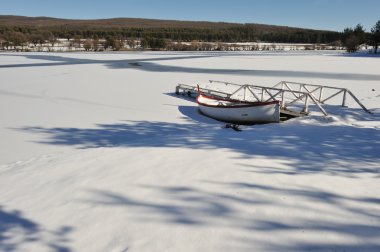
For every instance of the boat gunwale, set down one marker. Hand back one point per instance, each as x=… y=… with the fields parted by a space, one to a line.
x=246 y=104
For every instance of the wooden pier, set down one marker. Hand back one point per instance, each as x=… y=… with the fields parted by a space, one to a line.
x=295 y=98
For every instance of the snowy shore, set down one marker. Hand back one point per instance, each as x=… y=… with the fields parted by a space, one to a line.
x=97 y=154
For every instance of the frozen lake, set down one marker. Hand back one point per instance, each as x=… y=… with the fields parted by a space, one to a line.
x=97 y=154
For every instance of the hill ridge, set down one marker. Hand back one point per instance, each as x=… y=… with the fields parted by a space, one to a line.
x=127 y=22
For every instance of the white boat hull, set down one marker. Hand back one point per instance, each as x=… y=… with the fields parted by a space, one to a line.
x=239 y=112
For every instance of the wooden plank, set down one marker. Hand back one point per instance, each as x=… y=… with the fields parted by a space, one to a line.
x=311 y=92
x=318 y=105
x=357 y=100
x=344 y=98
x=254 y=94
x=331 y=96
x=291 y=90
x=312 y=85
x=292 y=113
x=271 y=95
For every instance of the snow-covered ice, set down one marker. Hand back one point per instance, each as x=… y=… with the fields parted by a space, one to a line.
x=97 y=154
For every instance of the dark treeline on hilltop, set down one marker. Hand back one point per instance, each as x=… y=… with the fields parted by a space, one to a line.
x=164 y=29
x=164 y=34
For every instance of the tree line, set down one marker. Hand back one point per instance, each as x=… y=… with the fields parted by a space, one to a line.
x=163 y=38
x=352 y=38
x=233 y=34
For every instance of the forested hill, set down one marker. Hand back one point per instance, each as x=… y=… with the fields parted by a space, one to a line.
x=164 y=29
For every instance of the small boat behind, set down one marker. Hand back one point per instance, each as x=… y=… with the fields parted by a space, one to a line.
x=239 y=112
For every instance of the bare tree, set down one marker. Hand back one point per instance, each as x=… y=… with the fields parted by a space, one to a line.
x=36 y=39
x=255 y=47
x=95 y=44
x=88 y=45
x=132 y=43
x=77 y=42
x=15 y=39
x=2 y=41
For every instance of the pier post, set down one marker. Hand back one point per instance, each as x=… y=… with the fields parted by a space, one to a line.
x=344 y=98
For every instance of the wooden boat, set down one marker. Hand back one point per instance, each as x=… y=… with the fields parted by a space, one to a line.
x=238 y=112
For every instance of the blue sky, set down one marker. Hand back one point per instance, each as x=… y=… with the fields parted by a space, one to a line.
x=316 y=14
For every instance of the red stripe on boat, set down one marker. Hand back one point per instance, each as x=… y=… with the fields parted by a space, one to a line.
x=246 y=103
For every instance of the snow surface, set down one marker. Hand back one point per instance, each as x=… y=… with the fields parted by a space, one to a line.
x=97 y=154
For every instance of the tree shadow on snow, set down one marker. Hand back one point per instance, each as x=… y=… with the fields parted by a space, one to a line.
x=17 y=231
x=151 y=65
x=55 y=60
x=316 y=147
x=216 y=207
x=193 y=113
